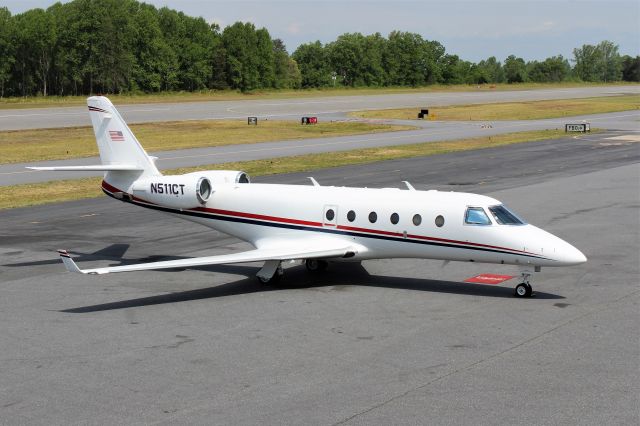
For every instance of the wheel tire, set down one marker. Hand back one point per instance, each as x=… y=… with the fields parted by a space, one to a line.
x=316 y=265
x=523 y=290
x=530 y=290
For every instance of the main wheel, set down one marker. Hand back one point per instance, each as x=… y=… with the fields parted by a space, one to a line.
x=523 y=290
x=316 y=265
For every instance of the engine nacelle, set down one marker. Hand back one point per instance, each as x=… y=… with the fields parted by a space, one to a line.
x=184 y=192
x=220 y=177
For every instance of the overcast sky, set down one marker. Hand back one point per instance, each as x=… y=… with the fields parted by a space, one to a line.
x=474 y=30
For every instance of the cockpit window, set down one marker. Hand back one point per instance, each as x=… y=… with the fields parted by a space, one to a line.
x=504 y=216
x=476 y=216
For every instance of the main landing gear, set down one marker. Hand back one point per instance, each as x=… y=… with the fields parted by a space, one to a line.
x=316 y=265
x=272 y=270
x=524 y=289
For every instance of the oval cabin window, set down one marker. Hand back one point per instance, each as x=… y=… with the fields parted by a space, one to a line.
x=330 y=214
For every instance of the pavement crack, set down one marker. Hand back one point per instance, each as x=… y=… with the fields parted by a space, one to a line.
x=584 y=211
x=489 y=358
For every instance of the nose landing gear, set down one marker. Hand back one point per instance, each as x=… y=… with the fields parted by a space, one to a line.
x=524 y=289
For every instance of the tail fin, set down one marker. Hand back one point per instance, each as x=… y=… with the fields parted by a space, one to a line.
x=116 y=143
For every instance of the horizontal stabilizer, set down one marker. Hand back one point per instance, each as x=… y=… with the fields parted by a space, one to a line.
x=96 y=168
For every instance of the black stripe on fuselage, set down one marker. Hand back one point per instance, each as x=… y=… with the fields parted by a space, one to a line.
x=214 y=216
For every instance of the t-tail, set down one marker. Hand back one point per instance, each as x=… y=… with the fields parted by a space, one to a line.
x=123 y=159
x=131 y=174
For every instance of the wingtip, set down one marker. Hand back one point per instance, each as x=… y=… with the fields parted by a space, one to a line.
x=68 y=262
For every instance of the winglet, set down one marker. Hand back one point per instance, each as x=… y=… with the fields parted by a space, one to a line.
x=68 y=262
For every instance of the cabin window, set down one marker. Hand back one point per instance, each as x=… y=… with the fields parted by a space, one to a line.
x=504 y=216
x=395 y=218
x=439 y=221
x=476 y=216
x=351 y=216
x=373 y=217
x=330 y=214
x=417 y=219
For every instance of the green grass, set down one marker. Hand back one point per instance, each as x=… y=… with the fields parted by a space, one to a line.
x=58 y=144
x=67 y=190
x=226 y=95
x=533 y=110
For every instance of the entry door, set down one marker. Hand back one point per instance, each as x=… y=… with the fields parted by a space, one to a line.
x=330 y=216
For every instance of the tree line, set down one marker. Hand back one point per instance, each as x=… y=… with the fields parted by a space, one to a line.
x=115 y=46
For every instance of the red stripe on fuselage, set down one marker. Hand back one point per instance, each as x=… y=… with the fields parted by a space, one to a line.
x=257 y=216
x=110 y=188
x=356 y=229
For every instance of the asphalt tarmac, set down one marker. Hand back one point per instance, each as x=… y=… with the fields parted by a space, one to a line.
x=293 y=108
x=385 y=342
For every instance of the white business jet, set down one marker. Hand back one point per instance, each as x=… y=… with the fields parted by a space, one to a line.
x=315 y=223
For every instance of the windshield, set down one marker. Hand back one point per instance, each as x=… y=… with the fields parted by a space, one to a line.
x=476 y=216
x=504 y=216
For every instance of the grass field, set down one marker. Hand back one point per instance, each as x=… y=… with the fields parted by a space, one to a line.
x=57 y=191
x=57 y=144
x=226 y=95
x=534 y=110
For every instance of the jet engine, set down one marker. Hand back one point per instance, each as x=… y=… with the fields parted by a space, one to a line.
x=184 y=192
x=218 y=177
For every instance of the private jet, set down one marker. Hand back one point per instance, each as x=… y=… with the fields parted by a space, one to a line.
x=312 y=223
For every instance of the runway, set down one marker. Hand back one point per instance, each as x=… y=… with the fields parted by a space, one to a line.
x=293 y=108
x=429 y=131
x=390 y=342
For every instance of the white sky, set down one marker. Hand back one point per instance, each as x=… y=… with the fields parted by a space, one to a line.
x=474 y=30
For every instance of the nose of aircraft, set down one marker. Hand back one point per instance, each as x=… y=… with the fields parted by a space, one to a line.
x=557 y=250
x=568 y=255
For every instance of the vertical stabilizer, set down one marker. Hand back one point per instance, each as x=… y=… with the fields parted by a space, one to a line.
x=116 y=143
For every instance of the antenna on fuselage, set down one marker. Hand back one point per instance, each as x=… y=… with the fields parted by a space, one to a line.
x=409 y=186
x=313 y=181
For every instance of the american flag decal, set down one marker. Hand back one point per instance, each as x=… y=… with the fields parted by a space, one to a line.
x=116 y=135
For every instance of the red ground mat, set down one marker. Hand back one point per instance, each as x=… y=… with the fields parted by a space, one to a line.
x=488 y=279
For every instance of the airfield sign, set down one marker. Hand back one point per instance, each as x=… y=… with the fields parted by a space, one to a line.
x=579 y=127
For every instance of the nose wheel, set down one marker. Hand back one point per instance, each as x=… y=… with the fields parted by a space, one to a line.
x=524 y=289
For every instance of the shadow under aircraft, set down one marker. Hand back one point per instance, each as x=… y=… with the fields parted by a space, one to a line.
x=340 y=275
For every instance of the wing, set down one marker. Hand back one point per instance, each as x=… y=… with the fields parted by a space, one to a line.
x=322 y=249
